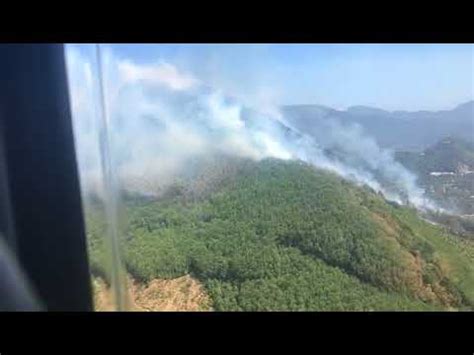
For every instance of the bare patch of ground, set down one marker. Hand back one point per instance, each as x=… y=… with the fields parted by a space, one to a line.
x=103 y=300
x=180 y=294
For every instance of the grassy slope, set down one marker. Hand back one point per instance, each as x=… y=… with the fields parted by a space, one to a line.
x=452 y=257
x=455 y=254
x=283 y=236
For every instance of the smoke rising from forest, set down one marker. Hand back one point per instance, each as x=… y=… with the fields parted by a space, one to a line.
x=161 y=117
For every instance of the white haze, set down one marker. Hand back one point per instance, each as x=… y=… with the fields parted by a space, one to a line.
x=160 y=117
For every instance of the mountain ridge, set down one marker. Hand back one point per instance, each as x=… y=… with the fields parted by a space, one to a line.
x=396 y=129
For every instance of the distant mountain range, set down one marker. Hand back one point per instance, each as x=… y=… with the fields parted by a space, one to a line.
x=399 y=130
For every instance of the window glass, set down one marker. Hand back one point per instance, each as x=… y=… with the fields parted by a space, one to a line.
x=276 y=177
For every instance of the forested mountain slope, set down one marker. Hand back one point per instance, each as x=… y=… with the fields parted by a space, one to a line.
x=282 y=235
x=446 y=171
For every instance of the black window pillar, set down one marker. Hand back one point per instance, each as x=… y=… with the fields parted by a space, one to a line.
x=42 y=176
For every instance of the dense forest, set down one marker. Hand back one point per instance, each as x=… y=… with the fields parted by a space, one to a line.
x=282 y=235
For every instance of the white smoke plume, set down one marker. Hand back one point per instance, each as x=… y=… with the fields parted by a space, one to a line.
x=160 y=117
x=358 y=157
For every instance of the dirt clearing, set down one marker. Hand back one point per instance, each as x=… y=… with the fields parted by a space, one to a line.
x=180 y=294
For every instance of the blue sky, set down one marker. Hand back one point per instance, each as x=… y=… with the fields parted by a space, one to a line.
x=392 y=77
